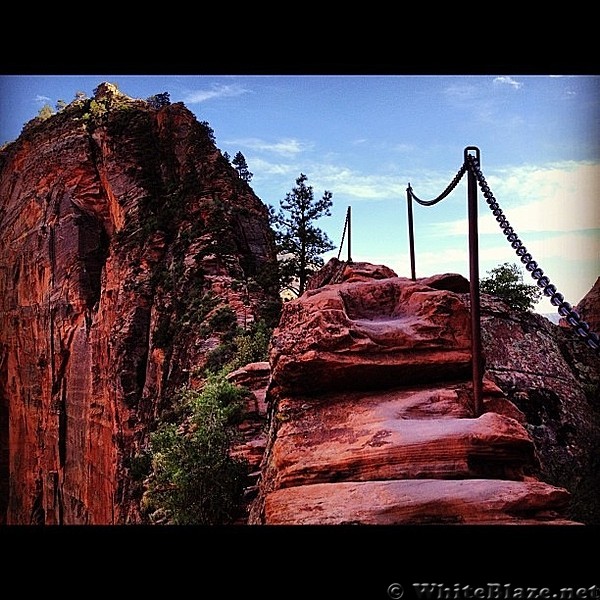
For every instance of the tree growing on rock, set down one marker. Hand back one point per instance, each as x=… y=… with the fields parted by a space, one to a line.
x=159 y=101
x=506 y=283
x=300 y=243
x=45 y=112
x=239 y=162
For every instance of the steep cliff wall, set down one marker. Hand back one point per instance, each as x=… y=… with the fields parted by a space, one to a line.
x=124 y=233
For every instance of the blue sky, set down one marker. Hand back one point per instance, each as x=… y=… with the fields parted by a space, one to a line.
x=364 y=138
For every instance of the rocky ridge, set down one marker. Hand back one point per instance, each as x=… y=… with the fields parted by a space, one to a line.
x=371 y=417
x=129 y=250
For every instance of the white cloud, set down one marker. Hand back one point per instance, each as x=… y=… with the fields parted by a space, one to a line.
x=264 y=167
x=508 y=81
x=285 y=147
x=555 y=198
x=340 y=180
x=553 y=209
x=462 y=92
x=344 y=181
x=39 y=99
x=217 y=90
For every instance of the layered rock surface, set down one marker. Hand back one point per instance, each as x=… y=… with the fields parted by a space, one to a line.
x=553 y=377
x=129 y=247
x=372 y=415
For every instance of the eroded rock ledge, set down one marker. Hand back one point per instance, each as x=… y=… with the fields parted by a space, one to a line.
x=371 y=413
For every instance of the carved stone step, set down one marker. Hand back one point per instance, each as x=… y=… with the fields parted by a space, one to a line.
x=415 y=502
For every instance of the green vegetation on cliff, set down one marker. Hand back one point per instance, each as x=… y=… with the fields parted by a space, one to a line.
x=194 y=480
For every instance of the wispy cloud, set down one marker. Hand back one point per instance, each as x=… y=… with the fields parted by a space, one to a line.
x=217 y=90
x=284 y=147
x=555 y=198
x=264 y=169
x=39 y=99
x=343 y=181
x=508 y=81
x=462 y=92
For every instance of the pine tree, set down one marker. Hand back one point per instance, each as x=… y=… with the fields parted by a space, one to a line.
x=239 y=162
x=299 y=242
x=159 y=101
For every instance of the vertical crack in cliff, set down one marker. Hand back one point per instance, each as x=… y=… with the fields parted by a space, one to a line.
x=135 y=360
x=38 y=514
x=62 y=427
x=93 y=253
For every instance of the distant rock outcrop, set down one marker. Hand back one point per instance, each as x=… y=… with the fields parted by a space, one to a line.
x=371 y=413
x=129 y=248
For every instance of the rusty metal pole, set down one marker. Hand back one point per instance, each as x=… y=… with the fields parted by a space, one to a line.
x=476 y=353
x=411 y=235
x=349 y=222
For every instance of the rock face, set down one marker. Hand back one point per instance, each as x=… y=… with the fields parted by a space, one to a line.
x=371 y=333
x=372 y=415
x=589 y=307
x=129 y=247
x=252 y=432
x=553 y=377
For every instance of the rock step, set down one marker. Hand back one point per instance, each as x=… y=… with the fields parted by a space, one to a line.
x=415 y=502
x=374 y=444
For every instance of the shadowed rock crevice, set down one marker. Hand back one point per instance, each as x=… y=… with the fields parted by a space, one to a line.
x=94 y=245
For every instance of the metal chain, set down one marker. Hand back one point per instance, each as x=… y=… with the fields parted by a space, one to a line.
x=556 y=298
x=450 y=187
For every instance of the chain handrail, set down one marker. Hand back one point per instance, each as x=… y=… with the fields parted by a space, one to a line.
x=445 y=193
x=471 y=166
x=564 y=309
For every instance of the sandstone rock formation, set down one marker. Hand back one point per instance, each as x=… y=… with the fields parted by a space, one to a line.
x=371 y=413
x=128 y=249
x=252 y=439
x=553 y=377
x=589 y=307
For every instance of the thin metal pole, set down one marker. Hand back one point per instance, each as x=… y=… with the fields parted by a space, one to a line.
x=349 y=220
x=476 y=354
x=411 y=235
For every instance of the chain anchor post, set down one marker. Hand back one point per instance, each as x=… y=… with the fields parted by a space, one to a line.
x=411 y=233
x=349 y=223
x=476 y=348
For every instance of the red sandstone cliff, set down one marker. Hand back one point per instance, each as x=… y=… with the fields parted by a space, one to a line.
x=589 y=307
x=123 y=230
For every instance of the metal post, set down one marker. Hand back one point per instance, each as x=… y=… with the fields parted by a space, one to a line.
x=411 y=235
x=476 y=361
x=349 y=221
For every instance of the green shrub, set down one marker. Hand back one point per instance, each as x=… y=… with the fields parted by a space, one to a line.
x=195 y=480
x=223 y=320
x=140 y=465
x=239 y=349
x=252 y=345
x=506 y=283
